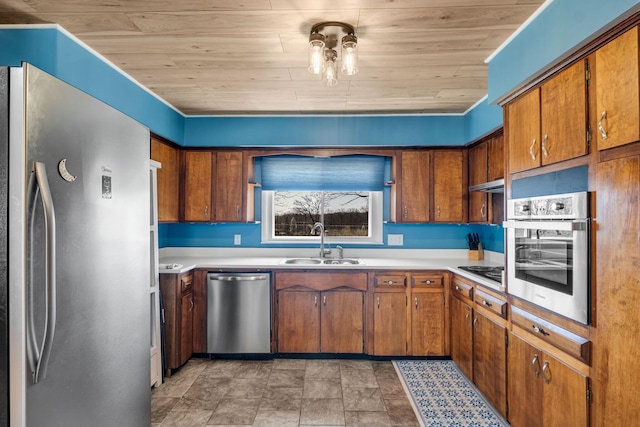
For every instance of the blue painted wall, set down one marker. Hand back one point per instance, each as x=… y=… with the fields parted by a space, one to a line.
x=316 y=131
x=561 y=28
x=416 y=236
x=56 y=53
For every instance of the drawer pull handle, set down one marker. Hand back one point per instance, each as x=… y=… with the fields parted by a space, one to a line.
x=539 y=330
x=486 y=303
x=458 y=288
x=544 y=146
x=416 y=303
x=427 y=282
x=378 y=302
x=324 y=300
x=482 y=211
x=315 y=301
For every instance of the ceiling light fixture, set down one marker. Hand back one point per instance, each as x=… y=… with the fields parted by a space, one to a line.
x=323 y=58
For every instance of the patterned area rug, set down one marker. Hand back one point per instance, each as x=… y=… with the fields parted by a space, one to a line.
x=443 y=397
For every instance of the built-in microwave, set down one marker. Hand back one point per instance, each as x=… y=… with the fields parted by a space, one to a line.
x=548 y=253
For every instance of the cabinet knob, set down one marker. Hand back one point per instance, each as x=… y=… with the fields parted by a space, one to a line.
x=486 y=303
x=557 y=206
x=416 y=303
x=378 y=298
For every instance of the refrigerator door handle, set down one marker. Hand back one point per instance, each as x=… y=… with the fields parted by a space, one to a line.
x=39 y=358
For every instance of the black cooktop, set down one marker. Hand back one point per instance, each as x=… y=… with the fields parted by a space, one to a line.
x=491 y=273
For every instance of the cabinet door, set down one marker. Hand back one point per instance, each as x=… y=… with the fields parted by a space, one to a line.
x=298 y=322
x=462 y=335
x=478 y=175
x=563 y=384
x=168 y=180
x=389 y=324
x=198 y=167
x=616 y=357
x=229 y=187
x=617 y=96
x=341 y=322
x=448 y=186
x=563 y=115
x=525 y=385
x=414 y=188
x=490 y=361
x=523 y=132
x=495 y=158
x=186 y=327
x=427 y=324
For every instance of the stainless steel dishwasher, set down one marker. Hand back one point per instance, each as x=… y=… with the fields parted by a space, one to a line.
x=238 y=313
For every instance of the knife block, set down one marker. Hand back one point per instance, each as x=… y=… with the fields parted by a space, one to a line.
x=477 y=254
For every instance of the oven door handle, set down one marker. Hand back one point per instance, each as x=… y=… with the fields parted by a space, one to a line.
x=575 y=225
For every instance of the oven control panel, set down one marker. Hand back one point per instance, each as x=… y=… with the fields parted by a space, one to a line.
x=559 y=206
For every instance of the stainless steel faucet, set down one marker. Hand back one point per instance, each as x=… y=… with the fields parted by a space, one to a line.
x=323 y=251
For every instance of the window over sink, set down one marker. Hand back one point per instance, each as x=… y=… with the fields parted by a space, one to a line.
x=344 y=193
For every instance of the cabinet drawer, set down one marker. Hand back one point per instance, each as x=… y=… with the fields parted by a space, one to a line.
x=389 y=281
x=427 y=281
x=462 y=290
x=493 y=304
x=186 y=283
x=570 y=343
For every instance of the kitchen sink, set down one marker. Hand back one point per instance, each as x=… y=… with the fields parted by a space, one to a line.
x=325 y=261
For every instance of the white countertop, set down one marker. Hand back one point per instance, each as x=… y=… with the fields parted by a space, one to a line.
x=371 y=259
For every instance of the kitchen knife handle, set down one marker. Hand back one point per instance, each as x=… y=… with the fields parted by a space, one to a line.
x=41 y=184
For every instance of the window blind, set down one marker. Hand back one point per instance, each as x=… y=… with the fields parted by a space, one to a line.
x=340 y=173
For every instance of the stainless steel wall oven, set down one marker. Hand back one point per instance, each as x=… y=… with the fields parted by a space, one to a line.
x=548 y=253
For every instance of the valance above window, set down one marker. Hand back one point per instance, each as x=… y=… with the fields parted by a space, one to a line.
x=341 y=173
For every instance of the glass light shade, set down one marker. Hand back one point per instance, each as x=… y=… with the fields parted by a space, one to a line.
x=349 y=55
x=316 y=53
x=331 y=68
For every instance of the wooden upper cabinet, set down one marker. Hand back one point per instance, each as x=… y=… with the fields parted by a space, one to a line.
x=495 y=157
x=414 y=188
x=564 y=115
x=549 y=123
x=449 y=186
x=478 y=157
x=229 y=188
x=523 y=131
x=168 y=179
x=617 y=86
x=197 y=194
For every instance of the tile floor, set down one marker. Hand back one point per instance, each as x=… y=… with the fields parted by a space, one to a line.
x=282 y=393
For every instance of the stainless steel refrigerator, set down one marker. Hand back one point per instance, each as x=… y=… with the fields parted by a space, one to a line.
x=74 y=257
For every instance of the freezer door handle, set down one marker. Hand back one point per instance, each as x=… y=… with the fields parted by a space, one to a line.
x=39 y=357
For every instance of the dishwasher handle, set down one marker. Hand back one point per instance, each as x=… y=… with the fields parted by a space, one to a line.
x=236 y=278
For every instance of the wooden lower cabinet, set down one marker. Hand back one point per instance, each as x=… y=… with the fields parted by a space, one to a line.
x=479 y=339
x=428 y=307
x=177 y=297
x=320 y=322
x=341 y=322
x=543 y=391
x=390 y=324
x=490 y=360
x=298 y=322
x=462 y=335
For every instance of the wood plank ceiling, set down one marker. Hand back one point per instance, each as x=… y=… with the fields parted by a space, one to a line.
x=217 y=57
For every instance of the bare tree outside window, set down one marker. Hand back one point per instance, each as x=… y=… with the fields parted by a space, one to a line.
x=342 y=213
